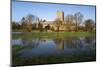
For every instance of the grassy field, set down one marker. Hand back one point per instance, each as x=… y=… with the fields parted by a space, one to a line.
x=53 y=34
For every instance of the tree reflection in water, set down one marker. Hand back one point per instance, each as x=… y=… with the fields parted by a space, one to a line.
x=28 y=41
x=74 y=42
x=61 y=43
x=90 y=40
x=57 y=46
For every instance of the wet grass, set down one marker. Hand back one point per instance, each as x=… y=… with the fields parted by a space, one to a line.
x=16 y=48
x=53 y=34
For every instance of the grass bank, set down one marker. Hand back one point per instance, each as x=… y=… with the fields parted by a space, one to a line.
x=52 y=34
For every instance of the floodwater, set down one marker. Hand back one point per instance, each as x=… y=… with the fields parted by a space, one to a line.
x=55 y=46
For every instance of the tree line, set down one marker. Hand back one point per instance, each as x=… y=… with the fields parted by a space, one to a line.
x=77 y=21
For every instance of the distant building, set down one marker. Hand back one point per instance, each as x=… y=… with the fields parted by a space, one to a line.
x=60 y=15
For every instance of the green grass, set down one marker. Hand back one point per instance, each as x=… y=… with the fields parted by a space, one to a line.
x=16 y=48
x=53 y=34
x=17 y=30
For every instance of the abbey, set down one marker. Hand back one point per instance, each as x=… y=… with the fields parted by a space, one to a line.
x=57 y=23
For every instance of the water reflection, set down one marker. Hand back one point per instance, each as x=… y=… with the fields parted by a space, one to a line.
x=59 y=46
x=59 y=43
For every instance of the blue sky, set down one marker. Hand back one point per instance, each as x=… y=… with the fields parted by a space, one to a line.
x=48 y=11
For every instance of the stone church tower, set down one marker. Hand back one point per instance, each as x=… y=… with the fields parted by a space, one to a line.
x=60 y=15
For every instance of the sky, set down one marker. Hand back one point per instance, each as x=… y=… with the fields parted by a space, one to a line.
x=48 y=10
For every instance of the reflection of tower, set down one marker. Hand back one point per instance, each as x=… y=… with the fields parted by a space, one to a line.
x=60 y=15
x=60 y=45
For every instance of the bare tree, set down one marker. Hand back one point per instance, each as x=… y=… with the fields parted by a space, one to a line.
x=69 y=19
x=58 y=23
x=40 y=27
x=28 y=21
x=78 y=19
